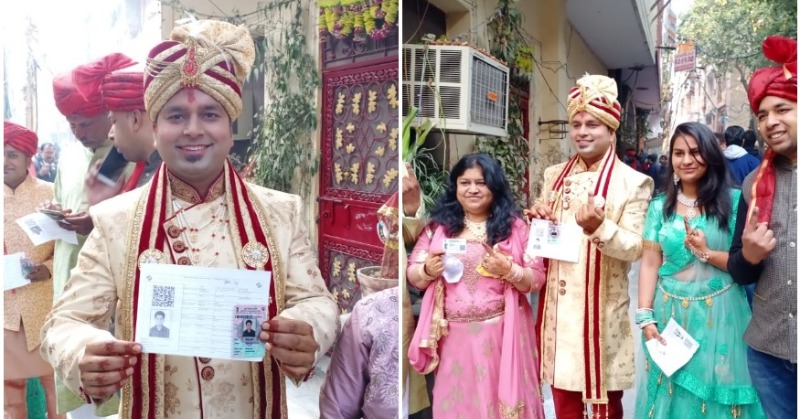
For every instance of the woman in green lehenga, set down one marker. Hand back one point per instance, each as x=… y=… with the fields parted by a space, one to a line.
x=684 y=276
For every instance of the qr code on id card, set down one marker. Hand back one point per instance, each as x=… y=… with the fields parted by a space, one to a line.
x=163 y=296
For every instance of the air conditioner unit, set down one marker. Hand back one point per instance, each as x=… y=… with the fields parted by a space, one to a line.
x=458 y=87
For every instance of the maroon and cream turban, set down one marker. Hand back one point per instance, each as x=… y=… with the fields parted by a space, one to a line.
x=119 y=90
x=596 y=95
x=775 y=81
x=20 y=138
x=209 y=55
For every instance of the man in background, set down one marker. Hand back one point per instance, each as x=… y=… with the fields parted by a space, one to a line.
x=122 y=92
x=750 y=144
x=26 y=307
x=45 y=163
x=741 y=163
x=88 y=120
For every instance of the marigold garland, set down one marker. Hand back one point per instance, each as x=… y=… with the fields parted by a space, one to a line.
x=360 y=18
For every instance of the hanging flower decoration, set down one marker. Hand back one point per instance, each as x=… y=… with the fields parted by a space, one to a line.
x=360 y=18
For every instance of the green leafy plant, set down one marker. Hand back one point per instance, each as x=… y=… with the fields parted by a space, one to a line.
x=432 y=179
x=507 y=44
x=430 y=174
x=283 y=138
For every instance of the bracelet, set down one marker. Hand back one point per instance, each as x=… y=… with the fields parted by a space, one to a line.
x=646 y=323
x=702 y=257
x=423 y=274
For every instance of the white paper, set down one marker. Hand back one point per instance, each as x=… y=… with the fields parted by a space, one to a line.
x=41 y=229
x=677 y=352
x=200 y=307
x=560 y=241
x=12 y=272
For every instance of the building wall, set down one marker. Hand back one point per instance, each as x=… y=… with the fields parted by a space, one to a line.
x=739 y=112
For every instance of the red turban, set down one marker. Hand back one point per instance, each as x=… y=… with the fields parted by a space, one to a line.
x=20 y=138
x=124 y=91
x=775 y=81
x=94 y=82
x=69 y=101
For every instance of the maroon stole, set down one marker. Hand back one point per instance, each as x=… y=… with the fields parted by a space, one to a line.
x=144 y=387
x=595 y=391
x=762 y=192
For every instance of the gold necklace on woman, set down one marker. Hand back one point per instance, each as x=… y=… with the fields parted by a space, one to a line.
x=477 y=229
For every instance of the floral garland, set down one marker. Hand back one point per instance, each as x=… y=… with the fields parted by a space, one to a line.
x=360 y=18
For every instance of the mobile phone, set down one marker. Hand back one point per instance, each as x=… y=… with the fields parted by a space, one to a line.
x=112 y=167
x=56 y=215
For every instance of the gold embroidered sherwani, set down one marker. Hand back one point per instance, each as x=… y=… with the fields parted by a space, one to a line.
x=225 y=388
x=619 y=239
x=26 y=306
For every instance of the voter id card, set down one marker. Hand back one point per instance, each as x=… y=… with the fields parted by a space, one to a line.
x=455 y=246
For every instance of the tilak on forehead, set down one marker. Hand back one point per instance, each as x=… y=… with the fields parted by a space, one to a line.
x=212 y=56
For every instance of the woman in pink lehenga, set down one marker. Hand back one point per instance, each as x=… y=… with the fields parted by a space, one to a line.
x=476 y=328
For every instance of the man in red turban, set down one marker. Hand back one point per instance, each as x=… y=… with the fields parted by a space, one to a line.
x=764 y=250
x=122 y=92
x=88 y=119
x=25 y=308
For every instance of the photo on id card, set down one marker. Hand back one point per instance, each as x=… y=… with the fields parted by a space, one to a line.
x=246 y=325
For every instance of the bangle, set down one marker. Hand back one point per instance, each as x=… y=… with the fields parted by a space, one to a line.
x=643 y=316
x=514 y=275
x=424 y=274
x=646 y=323
x=702 y=257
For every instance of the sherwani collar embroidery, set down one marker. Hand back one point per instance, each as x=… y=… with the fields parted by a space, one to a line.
x=188 y=193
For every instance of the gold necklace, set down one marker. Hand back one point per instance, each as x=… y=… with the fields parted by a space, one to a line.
x=477 y=229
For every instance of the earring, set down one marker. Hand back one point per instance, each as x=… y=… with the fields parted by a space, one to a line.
x=675 y=179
